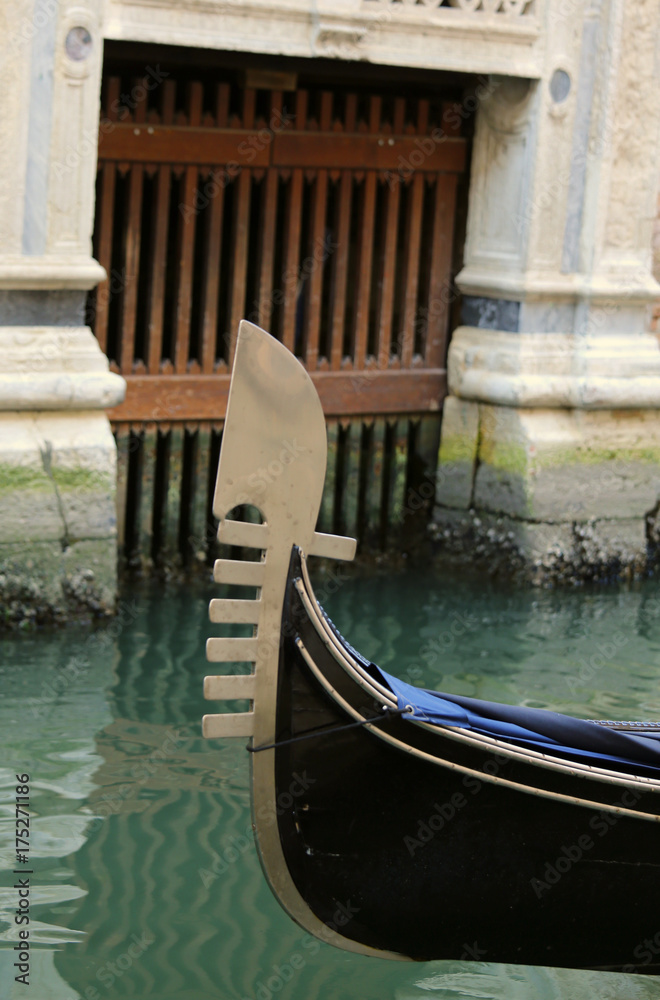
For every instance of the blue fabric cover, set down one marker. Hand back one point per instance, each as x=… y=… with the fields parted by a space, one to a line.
x=535 y=728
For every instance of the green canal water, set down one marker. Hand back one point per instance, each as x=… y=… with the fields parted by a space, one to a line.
x=144 y=879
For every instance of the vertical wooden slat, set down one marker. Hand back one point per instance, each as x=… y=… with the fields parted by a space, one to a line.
x=351 y=481
x=187 y=243
x=363 y=291
x=183 y=303
x=211 y=280
x=302 y=99
x=423 y=445
x=173 y=491
x=319 y=204
x=316 y=276
x=267 y=248
x=325 y=116
x=222 y=105
x=105 y=218
x=184 y=547
x=239 y=264
x=276 y=98
x=441 y=247
x=364 y=477
x=341 y=477
x=131 y=269
x=249 y=101
x=326 y=516
x=156 y=295
x=350 y=115
x=112 y=91
x=422 y=116
x=241 y=232
x=388 y=277
x=375 y=489
x=145 y=513
x=375 y=106
x=340 y=271
x=292 y=257
x=412 y=245
x=106 y=214
x=133 y=478
x=292 y=237
x=159 y=503
x=213 y=250
x=399 y=115
x=399 y=474
x=132 y=256
x=201 y=532
x=389 y=441
x=366 y=247
x=123 y=444
x=156 y=301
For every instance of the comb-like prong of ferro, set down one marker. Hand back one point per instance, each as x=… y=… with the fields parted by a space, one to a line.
x=238 y=572
x=244 y=533
x=233 y=649
x=229 y=686
x=234 y=612
x=215 y=727
x=333 y=546
x=223 y=688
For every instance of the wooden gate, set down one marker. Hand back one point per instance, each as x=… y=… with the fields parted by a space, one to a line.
x=325 y=216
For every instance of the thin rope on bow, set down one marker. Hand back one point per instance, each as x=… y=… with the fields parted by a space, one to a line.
x=385 y=714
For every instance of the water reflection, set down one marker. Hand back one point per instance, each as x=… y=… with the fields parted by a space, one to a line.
x=513 y=982
x=146 y=879
x=52 y=706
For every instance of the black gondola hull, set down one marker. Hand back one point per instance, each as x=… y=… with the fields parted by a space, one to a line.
x=403 y=854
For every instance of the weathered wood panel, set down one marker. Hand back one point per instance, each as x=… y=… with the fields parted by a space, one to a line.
x=324 y=215
x=343 y=394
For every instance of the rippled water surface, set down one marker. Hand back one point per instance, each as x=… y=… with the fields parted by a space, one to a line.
x=145 y=880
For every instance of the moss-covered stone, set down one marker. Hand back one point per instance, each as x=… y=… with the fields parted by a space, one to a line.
x=507 y=456
x=42 y=583
x=15 y=479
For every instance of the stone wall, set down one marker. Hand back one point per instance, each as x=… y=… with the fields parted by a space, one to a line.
x=550 y=454
x=58 y=550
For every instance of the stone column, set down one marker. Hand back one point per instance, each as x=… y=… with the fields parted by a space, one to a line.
x=550 y=453
x=57 y=454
